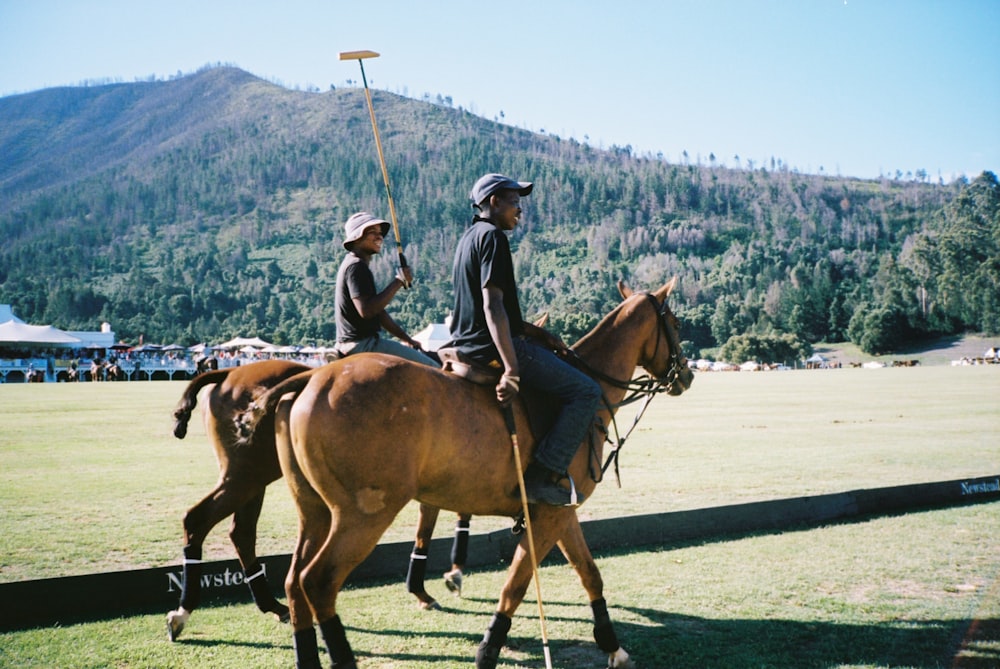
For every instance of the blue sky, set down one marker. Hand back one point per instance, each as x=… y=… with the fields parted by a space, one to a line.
x=852 y=88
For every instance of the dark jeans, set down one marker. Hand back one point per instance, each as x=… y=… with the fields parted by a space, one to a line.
x=541 y=368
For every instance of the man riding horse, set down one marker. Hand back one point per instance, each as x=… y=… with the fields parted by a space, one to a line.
x=488 y=328
x=446 y=445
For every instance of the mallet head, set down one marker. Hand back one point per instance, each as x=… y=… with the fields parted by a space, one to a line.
x=357 y=55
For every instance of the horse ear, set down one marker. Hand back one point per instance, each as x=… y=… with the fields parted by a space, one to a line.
x=664 y=292
x=542 y=320
x=624 y=290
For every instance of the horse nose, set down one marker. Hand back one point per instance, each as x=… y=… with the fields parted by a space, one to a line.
x=684 y=380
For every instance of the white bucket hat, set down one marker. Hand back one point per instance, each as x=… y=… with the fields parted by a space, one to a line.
x=356 y=225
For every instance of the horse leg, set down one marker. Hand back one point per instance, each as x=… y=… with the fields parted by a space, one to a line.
x=311 y=536
x=198 y=522
x=243 y=534
x=544 y=519
x=418 y=558
x=574 y=547
x=300 y=613
x=459 y=554
x=347 y=545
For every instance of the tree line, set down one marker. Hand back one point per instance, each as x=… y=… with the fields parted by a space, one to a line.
x=235 y=228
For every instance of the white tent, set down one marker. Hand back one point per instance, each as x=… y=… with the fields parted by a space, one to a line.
x=240 y=342
x=13 y=333
x=434 y=336
x=816 y=361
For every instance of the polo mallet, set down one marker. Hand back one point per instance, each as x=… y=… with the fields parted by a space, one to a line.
x=508 y=416
x=360 y=56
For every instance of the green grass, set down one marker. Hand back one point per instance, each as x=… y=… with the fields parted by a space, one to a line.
x=889 y=592
x=92 y=480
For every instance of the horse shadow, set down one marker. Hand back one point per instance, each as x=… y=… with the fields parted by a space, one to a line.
x=658 y=639
x=665 y=639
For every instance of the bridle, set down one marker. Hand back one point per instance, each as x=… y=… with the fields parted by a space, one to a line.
x=643 y=387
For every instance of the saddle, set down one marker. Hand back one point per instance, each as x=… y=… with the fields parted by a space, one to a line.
x=542 y=408
x=457 y=363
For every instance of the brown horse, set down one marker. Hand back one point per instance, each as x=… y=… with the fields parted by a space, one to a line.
x=114 y=372
x=244 y=474
x=440 y=440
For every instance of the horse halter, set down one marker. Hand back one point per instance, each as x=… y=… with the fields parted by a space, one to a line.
x=666 y=382
x=645 y=387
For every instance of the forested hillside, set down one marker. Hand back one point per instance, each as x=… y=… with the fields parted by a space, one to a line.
x=213 y=205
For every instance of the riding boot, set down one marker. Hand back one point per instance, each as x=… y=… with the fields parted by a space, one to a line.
x=494 y=639
x=541 y=485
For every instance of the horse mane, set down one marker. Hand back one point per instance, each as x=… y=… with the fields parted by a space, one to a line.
x=601 y=326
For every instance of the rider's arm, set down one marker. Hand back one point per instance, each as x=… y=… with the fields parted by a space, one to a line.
x=393 y=328
x=370 y=306
x=499 y=327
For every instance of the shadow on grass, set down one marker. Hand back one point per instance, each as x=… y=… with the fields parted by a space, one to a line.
x=211 y=643
x=665 y=639
x=670 y=640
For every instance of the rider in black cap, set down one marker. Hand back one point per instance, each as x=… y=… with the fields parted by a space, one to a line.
x=487 y=326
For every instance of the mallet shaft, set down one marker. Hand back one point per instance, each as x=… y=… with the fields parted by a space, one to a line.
x=508 y=416
x=360 y=56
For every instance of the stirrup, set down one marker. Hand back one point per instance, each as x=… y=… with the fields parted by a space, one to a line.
x=574 y=499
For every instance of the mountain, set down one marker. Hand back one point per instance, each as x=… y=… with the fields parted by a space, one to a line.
x=212 y=205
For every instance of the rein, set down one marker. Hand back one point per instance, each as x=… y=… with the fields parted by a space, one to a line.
x=644 y=387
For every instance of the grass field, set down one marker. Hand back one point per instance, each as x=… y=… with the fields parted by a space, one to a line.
x=92 y=480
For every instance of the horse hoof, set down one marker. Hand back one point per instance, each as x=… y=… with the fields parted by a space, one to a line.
x=432 y=605
x=453 y=581
x=281 y=612
x=175 y=623
x=620 y=660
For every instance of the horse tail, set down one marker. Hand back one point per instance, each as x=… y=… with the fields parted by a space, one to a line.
x=248 y=421
x=189 y=400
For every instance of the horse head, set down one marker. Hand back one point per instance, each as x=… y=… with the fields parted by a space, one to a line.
x=662 y=356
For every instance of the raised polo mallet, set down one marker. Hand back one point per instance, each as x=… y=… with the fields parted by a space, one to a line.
x=360 y=57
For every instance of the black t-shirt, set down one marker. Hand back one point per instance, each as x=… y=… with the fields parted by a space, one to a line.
x=482 y=257
x=354 y=279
